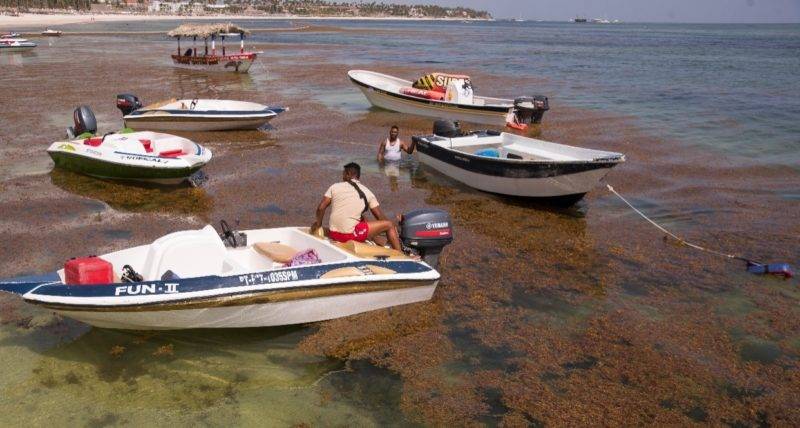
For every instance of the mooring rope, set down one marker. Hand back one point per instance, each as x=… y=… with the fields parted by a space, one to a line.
x=678 y=238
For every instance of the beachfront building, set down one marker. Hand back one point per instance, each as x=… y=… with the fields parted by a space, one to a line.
x=169 y=7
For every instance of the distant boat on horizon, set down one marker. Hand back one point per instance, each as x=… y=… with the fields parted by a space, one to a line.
x=579 y=20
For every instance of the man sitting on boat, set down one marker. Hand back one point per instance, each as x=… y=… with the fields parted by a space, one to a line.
x=390 y=148
x=350 y=201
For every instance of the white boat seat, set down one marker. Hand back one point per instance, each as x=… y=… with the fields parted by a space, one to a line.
x=275 y=251
x=368 y=251
x=189 y=254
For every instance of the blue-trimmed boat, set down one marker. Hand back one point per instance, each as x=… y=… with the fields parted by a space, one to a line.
x=198 y=279
x=195 y=114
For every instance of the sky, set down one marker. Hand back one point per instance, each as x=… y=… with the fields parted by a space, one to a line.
x=749 y=11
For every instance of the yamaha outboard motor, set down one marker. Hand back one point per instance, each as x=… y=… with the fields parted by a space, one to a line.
x=530 y=109
x=447 y=129
x=127 y=103
x=427 y=232
x=84 y=122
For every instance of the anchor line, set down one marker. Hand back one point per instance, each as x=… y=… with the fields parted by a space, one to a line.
x=678 y=238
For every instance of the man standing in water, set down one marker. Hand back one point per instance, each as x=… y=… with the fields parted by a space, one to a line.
x=389 y=149
x=350 y=201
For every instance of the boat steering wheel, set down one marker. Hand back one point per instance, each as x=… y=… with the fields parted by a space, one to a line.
x=227 y=234
x=193 y=104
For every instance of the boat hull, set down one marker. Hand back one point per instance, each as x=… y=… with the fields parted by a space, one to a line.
x=16 y=48
x=115 y=171
x=428 y=108
x=561 y=186
x=265 y=314
x=171 y=122
x=239 y=63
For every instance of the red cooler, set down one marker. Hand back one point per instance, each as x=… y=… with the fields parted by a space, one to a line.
x=88 y=270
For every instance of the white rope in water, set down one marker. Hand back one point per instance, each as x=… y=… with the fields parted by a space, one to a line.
x=676 y=237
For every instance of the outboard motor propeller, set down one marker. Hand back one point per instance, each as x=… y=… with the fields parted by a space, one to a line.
x=447 y=129
x=84 y=122
x=128 y=103
x=530 y=109
x=426 y=231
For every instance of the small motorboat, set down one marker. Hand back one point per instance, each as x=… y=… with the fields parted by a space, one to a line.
x=51 y=33
x=195 y=115
x=136 y=156
x=237 y=62
x=447 y=96
x=513 y=165
x=254 y=278
x=15 y=44
x=9 y=35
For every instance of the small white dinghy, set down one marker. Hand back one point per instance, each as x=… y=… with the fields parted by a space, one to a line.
x=447 y=96
x=195 y=115
x=513 y=165
x=137 y=156
x=255 y=278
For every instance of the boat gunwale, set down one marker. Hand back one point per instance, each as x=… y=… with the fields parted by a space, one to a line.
x=600 y=161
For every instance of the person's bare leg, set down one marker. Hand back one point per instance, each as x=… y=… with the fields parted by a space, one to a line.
x=381 y=226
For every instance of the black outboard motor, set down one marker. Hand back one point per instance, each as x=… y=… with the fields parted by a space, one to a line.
x=447 y=129
x=530 y=109
x=84 y=122
x=427 y=232
x=127 y=103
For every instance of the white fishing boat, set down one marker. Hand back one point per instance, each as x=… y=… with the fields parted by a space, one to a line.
x=195 y=114
x=51 y=33
x=447 y=96
x=212 y=60
x=513 y=165
x=135 y=156
x=15 y=44
x=254 y=278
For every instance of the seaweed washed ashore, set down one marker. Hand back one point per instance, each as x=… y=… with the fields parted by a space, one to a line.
x=538 y=311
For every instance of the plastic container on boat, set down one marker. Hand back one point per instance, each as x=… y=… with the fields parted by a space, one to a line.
x=88 y=270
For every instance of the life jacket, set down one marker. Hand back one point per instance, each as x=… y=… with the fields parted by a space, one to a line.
x=437 y=81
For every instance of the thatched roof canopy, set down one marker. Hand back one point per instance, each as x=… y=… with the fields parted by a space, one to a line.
x=206 y=30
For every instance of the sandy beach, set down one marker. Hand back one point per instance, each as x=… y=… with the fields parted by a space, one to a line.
x=50 y=20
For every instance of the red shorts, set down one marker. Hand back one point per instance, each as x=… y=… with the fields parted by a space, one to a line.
x=359 y=234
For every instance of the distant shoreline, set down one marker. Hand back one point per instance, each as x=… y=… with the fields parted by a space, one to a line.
x=53 y=19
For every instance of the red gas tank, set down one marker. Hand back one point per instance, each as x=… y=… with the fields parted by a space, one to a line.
x=88 y=270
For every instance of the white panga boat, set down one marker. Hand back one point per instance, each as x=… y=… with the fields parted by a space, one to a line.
x=513 y=165
x=195 y=114
x=192 y=279
x=237 y=62
x=136 y=156
x=15 y=44
x=447 y=96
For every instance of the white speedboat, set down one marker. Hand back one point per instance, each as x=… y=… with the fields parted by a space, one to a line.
x=447 y=96
x=15 y=44
x=195 y=115
x=136 y=156
x=51 y=33
x=513 y=165
x=198 y=279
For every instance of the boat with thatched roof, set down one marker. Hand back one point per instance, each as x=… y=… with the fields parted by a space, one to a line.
x=193 y=58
